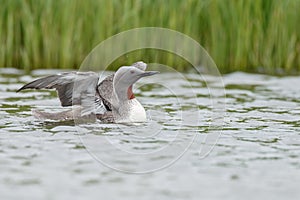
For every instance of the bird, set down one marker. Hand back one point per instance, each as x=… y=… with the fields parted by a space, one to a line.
x=112 y=100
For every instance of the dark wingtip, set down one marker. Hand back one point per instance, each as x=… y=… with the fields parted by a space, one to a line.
x=38 y=83
x=22 y=88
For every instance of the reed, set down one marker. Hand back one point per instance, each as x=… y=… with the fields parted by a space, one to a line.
x=254 y=36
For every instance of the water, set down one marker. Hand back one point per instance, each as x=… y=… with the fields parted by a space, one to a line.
x=255 y=157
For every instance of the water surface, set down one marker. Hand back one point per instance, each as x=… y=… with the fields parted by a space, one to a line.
x=256 y=156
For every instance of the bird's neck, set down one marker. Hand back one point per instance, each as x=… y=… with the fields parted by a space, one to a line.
x=122 y=94
x=130 y=94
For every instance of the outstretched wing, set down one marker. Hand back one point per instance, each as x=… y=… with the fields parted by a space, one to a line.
x=72 y=87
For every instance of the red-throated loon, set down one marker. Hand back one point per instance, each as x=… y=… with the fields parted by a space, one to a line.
x=112 y=99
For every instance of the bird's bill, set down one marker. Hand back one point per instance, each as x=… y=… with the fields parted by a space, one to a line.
x=148 y=73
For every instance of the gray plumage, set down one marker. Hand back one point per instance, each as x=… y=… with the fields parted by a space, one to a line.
x=85 y=90
x=106 y=88
x=64 y=84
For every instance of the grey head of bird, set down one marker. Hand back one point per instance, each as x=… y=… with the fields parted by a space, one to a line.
x=124 y=79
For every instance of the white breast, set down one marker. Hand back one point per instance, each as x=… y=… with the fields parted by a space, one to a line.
x=131 y=111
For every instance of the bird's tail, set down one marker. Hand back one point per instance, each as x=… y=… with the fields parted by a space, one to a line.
x=73 y=114
x=64 y=115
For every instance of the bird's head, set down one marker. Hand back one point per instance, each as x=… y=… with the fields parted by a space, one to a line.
x=126 y=76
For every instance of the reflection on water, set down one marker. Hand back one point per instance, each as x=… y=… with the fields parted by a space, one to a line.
x=256 y=156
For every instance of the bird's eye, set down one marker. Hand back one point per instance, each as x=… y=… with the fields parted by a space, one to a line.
x=131 y=71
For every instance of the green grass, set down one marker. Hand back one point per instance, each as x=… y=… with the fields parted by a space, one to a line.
x=248 y=35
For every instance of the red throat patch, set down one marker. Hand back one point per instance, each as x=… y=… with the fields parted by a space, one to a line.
x=130 y=94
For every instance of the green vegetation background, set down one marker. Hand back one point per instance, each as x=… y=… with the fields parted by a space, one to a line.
x=248 y=35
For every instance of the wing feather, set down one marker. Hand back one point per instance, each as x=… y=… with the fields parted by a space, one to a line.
x=85 y=83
